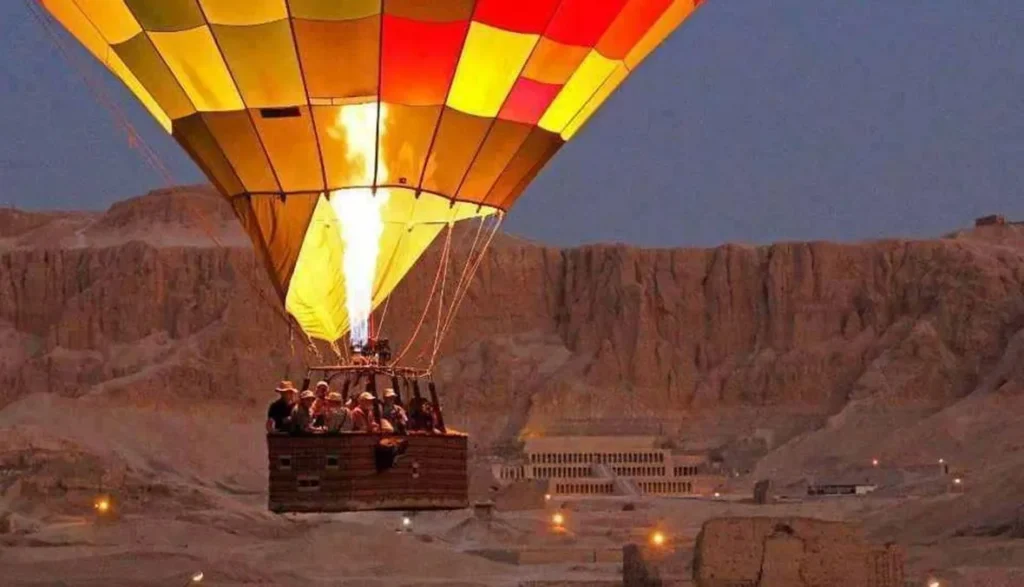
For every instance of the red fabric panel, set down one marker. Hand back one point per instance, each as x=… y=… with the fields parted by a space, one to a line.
x=419 y=60
x=528 y=101
x=582 y=22
x=522 y=16
x=635 y=19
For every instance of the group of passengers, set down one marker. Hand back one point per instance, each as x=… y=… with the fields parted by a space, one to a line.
x=326 y=412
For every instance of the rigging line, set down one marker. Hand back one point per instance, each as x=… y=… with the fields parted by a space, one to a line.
x=440 y=299
x=472 y=273
x=430 y=298
x=462 y=296
x=469 y=259
x=135 y=141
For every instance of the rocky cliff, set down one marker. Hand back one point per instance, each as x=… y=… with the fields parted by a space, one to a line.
x=139 y=303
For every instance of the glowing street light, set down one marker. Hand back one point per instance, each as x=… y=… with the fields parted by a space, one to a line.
x=958 y=481
x=197 y=577
x=942 y=461
x=101 y=504
x=406 y=521
x=558 y=519
x=717 y=495
x=934 y=583
x=547 y=497
x=658 y=538
x=874 y=462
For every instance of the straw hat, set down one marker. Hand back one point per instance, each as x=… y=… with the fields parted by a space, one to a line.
x=307 y=394
x=284 y=386
x=366 y=397
x=390 y=393
x=334 y=397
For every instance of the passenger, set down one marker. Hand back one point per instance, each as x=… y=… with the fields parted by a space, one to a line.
x=302 y=416
x=362 y=416
x=338 y=419
x=394 y=414
x=319 y=410
x=422 y=417
x=280 y=411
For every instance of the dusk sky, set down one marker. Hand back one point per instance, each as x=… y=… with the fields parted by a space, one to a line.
x=755 y=122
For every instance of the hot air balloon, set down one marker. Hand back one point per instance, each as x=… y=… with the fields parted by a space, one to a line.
x=348 y=134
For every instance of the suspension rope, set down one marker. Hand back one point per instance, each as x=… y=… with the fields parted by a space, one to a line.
x=459 y=296
x=440 y=299
x=433 y=288
x=138 y=144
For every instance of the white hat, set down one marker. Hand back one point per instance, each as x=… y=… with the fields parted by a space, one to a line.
x=390 y=393
x=365 y=396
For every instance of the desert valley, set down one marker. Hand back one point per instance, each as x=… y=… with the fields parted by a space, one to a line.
x=138 y=355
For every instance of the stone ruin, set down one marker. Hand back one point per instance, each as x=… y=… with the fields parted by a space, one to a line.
x=792 y=552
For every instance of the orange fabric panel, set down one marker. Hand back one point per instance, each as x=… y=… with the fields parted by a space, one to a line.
x=419 y=60
x=237 y=137
x=502 y=142
x=192 y=134
x=458 y=139
x=535 y=151
x=292 y=148
x=430 y=10
x=404 y=141
x=339 y=58
x=632 y=23
x=277 y=227
x=553 y=62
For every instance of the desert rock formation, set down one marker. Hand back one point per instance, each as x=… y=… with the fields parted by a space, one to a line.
x=786 y=358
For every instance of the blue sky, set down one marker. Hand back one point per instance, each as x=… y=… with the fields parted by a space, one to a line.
x=756 y=122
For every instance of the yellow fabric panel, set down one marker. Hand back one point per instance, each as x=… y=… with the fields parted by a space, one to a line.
x=166 y=15
x=406 y=246
x=580 y=87
x=614 y=81
x=491 y=61
x=121 y=70
x=334 y=9
x=316 y=294
x=140 y=56
x=194 y=59
x=263 y=63
x=668 y=22
x=76 y=22
x=113 y=19
x=249 y=12
x=236 y=135
x=292 y=147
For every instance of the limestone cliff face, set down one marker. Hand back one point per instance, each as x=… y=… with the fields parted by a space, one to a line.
x=138 y=303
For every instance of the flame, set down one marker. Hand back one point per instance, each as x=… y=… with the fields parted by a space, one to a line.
x=360 y=221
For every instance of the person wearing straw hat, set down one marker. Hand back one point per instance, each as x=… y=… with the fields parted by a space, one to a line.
x=280 y=411
x=302 y=414
x=338 y=418
x=392 y=413
x=319 y=409
x=362 y=415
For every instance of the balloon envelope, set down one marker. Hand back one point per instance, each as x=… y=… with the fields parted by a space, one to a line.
x=441 y=110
